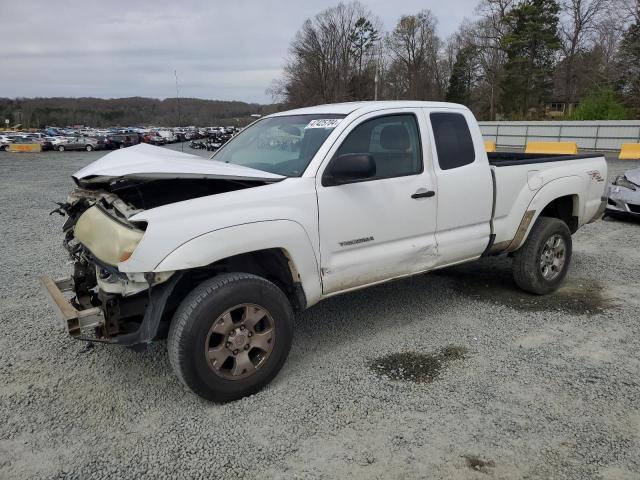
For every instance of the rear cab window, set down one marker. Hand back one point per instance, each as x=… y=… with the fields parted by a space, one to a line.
x=454 y=144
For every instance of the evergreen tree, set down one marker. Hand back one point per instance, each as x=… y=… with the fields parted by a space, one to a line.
x=362 y=38
x=463 y=76
x=628 y=63
x=530 y=44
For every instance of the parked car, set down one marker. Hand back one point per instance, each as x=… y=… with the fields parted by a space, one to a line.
x=153 y=139
x=57 y=140
x=168 y=136
x=121 y=141
x=5 y=141
x=623 y=195
x=46 y=144
x=80 y=143
x=222 y=253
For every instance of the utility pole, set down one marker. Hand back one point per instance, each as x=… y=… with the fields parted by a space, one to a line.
x=375 y=81
x=376 y=77
x=175 y=73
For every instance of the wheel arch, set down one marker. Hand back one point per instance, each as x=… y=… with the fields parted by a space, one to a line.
x=559 y=198
x=279 y=251
x=565 y=208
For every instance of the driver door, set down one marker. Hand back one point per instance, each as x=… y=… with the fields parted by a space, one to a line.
x=382 y=227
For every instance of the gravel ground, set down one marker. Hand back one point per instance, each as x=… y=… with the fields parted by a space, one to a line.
x=539 y=387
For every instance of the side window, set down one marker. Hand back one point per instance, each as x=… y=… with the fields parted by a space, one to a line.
x=453 y=140
x=393 y=141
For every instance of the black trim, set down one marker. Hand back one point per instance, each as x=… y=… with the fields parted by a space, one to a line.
x=428 y=194
x=492 y=240
x=507 y=159
x=152 y=315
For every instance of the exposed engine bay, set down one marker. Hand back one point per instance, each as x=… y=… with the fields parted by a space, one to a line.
x=98 y=220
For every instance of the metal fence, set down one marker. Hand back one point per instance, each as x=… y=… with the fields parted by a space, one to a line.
x=589 y=135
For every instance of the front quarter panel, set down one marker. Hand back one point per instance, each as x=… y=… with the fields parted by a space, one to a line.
x=285 y=234
x=173 y=225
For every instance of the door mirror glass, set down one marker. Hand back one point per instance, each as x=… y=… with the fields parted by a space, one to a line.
x=349 y=168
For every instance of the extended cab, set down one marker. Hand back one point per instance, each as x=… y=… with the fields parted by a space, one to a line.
x=218 y=254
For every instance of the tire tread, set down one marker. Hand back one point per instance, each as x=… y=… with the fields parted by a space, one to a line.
x=525 y=258
x=182 y=317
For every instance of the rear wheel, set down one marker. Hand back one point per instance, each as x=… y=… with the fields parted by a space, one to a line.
x=88 y=148
x=230 y=336
x=541 y=264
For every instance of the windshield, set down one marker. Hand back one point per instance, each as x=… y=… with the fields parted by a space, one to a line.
x=282 y=145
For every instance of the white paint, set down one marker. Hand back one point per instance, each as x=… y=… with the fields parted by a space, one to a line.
x=393 y=235
x=147 y=161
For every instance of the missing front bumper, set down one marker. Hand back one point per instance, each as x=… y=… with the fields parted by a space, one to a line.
x=71 y=320
x=93 y=323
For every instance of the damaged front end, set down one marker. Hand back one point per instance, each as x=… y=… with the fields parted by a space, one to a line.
x=623 y=195
x=98 y=302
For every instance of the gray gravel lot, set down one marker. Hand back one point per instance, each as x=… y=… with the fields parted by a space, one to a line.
x=549 y=387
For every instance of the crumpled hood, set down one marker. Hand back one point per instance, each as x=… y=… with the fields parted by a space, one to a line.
x=633 y=175
x=148 y=162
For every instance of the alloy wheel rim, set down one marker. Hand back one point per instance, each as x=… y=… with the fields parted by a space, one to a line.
x=553 y=257
x=240 y=341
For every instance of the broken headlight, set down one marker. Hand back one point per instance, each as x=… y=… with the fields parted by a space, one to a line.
x=621 y=181
x=109 y=239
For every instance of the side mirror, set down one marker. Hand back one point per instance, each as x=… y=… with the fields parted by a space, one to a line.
x=349 y=168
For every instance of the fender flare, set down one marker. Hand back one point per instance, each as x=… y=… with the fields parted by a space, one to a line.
x=287 y=235
x=560 y=187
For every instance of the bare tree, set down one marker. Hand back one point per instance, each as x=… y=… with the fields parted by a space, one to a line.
x=325 y=56
x=629 y=9
x=487 y=36
x=606 y=40
x=414 y=47
x=579 y=20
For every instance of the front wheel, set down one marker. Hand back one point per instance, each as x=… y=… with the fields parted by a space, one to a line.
x=230 y=336
x=541 y=264
x=60 y=148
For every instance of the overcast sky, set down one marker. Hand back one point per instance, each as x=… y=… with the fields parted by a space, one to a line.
x=227 y=50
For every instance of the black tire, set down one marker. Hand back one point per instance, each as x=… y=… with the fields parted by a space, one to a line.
x=60 y=148
x=88 y=148
x=197 y=314
x=527 y=270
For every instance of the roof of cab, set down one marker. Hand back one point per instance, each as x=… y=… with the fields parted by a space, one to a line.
x=350 y=107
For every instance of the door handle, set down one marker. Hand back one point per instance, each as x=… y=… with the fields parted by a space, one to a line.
x=423 y=194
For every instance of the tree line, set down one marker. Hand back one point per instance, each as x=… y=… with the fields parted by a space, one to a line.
x=516 y=60
x=98 y=112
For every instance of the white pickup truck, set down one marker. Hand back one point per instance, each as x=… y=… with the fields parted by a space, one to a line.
x=218 y=254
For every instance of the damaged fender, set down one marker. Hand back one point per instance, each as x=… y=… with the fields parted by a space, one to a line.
x=287 y=235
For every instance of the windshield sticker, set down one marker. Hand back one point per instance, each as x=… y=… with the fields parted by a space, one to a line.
x=324 y=123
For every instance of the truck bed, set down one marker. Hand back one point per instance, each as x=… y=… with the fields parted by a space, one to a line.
x=505 y=159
